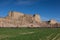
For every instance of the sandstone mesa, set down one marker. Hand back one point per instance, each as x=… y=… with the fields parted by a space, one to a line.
x=17 y=19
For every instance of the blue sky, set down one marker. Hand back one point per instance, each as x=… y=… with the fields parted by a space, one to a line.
x=47 y=9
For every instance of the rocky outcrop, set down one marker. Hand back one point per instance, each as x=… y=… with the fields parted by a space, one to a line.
x=16 y=19
x=37 y=18
x=15 y=15
x=52 y=21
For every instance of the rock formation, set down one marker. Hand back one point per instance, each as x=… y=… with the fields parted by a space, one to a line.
x=37 y=18
x=52 y=21
x=16 y=19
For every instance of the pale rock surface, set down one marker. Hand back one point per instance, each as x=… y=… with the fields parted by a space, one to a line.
x=16 y=19
x=52 y=21
x=37 y=18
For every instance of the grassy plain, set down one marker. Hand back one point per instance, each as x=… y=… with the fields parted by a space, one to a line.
x=29 y=33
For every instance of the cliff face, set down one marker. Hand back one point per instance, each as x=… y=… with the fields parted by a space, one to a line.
x=16 y=19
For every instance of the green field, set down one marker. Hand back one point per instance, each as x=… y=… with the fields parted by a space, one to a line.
x=29 y=33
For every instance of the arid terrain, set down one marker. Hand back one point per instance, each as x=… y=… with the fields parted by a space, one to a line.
x=17 y=19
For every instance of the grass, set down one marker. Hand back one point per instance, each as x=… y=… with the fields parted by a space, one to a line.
x=29 y=33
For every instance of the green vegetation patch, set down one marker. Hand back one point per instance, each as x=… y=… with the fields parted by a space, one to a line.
x=29 y=33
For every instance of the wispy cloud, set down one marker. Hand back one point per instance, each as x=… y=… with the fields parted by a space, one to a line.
x=44 y=18
x=22 y=2
x=47 y=19
x=26 y=2
x=17 y=2
x=57 y=18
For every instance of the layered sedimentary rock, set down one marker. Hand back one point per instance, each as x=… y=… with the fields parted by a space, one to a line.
x=16 y=19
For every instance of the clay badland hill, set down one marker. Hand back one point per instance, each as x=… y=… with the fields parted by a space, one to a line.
x=16 y=19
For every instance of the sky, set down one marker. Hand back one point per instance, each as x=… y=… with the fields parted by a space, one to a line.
x=47 y=9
